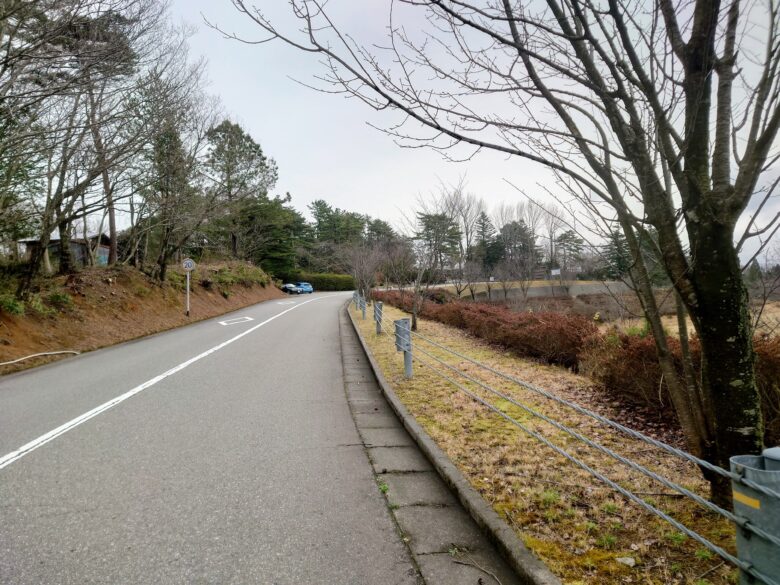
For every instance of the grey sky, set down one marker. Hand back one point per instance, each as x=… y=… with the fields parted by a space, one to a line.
x=323 y=143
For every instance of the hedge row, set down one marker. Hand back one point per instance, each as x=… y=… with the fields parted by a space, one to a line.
x=327 y=282
x=627 y=366
x=624 y=365
x=554 y=338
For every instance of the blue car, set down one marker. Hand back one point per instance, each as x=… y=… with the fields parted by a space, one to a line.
x=304 y=288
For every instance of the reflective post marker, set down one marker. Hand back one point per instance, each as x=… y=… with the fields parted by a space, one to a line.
x=403 y=342
x=378 y=316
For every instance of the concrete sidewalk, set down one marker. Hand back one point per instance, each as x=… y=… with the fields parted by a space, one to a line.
x=445 y=543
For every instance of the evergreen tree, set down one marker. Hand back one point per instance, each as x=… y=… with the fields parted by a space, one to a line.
x=569 y=248
x=239 y=169
x=617 y=257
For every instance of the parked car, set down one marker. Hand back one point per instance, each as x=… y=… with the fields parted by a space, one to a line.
x=304 y=288
x=290 y=289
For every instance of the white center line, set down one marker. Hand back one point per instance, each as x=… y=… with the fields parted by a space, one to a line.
x=72 y=424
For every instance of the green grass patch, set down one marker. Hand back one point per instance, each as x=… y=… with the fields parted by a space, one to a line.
x=11 y=305
x=60 y=300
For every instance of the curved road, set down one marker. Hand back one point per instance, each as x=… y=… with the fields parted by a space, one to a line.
x=214 y=453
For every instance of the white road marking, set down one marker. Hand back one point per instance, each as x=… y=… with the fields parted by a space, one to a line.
x=72 y=424
x=235 y=320
x=286 y=303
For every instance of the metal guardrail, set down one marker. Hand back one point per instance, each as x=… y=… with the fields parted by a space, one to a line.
x=758 y=535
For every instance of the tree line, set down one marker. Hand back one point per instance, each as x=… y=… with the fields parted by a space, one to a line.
x=106 y=126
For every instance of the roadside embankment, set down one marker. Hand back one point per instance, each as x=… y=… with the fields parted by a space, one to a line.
x=98 y=307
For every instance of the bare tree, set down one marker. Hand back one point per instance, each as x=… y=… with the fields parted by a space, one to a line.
x=364 y=260
x=69 y=70
x=506 y=276
x=464 y=208
x=399 y=264
x=472 y=273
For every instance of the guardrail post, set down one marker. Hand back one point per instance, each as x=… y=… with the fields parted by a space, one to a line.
x=355 y=299
x=760 y=510
x=403 y=342
x=378 y=316
x=363 y=306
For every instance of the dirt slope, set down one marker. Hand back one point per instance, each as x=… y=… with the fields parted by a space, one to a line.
x=100 y=307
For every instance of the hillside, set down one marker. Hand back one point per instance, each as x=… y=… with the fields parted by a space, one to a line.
x=102 y=306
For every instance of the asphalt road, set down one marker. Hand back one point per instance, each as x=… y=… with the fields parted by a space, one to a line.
x=223 y=459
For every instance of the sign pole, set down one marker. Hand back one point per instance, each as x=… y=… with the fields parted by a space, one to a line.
x=189 y=266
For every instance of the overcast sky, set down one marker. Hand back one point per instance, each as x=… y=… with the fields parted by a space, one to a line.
x=322 y=143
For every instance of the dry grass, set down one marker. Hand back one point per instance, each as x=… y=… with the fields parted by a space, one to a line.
x=576 y=524
x=769 y=323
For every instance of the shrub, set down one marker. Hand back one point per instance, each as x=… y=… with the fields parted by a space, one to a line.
x=241 y=273
x=627 y=366
x=177 y=280
x=11 y=305
x=61 y=300
x=393 y=297
x=224 y=278
x=35 y=302
x=439 y=296
x=768 y=378
x=451 y=314
x=550 y=337
x=248 y=275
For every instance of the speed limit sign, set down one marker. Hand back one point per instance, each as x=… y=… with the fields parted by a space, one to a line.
x=189 y=266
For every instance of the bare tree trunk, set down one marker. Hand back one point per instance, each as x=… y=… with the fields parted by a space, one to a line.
x=723 y=324
x=67 y=264
x=146 y=249
x=46 y=261
x=234 y=243
x=85 y=234
x=696 y=435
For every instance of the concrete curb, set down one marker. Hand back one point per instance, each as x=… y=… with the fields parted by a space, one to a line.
x=529 y=568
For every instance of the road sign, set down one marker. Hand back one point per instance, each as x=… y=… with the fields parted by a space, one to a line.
x=555 y=272
x=189 y=266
